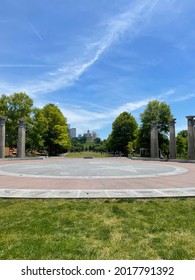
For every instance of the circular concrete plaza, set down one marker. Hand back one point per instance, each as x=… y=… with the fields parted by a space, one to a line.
x=90 y=169
x=95 y=178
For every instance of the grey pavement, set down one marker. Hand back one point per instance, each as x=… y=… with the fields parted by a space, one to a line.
x=95 y=168
x=142 y=193
x=96 y=178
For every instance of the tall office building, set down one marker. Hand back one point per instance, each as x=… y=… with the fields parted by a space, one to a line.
x=72 y=132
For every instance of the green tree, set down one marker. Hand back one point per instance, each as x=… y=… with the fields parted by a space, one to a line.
x=4 y=105
x=14 y=107
x=123 y=131
x=97 y=140
x=35 y=130
x=100 y=148
x=155 y=111
x=182 y=144
x=56 y=137
x=82 y=139
x=130 y=148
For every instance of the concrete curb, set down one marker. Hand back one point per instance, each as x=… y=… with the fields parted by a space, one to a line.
x=163 y=160
x=81 y=194
x=25 y=158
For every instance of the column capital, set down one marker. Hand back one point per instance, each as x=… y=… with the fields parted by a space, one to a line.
x=154 y=123
x=2 y=120
x=22 y=123
x=191 y=120
x=172 y=122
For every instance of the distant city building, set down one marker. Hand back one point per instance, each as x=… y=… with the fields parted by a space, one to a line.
x=72 y=132
x=94 y=135
x=90 y=136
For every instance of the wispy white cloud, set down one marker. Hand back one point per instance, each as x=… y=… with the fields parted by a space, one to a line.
x=34 y=29
x=85 y=119
x=97 y=118
x=164 y=95
x=129 y=21
x=131 y=106
x=184 y=97
x=22 y=65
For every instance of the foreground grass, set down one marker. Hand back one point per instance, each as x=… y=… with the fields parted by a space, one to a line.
x=97 y=229
x=87 y=154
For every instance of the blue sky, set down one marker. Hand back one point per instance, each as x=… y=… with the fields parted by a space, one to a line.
x=98 y=58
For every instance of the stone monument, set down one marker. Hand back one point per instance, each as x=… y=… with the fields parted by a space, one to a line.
x=154 y=149
x=191 y=137
x=172 y=145
x=2 y=136
x=21 y=138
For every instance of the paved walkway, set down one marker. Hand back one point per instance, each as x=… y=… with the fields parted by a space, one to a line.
x=95 y=178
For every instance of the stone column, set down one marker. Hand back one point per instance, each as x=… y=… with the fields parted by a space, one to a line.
x=191 y=137
x=172 y=144
x=21 y=138
x=154 y=149
x=2 y=136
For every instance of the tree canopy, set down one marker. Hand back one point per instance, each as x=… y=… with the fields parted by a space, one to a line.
x=124 y=130
x=182 y=144
x=36 y=129
x=46 y=128
x=56 y=136
x=14 y=107
x=155 y=111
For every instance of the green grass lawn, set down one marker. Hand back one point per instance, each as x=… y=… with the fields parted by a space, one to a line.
x=97 y=229
x=86 y=154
